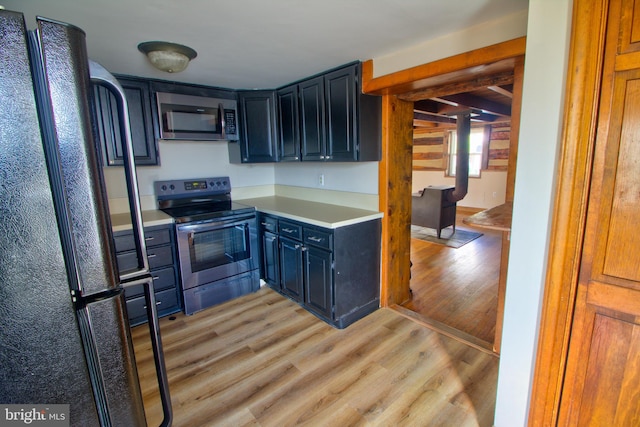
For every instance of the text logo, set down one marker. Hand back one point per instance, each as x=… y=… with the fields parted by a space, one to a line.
x=34 y=415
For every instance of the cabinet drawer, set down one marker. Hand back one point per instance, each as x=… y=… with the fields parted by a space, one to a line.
x=158 y=257
x=157 y=237
x=136 y=307
x=124 y=242
x=162 y=279
x=289 y=229
x=269 y=224
x=317 y=237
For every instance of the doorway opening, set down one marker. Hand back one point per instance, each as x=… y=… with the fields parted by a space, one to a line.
x=402 y=91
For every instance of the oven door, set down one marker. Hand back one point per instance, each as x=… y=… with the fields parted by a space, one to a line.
x=214 y=250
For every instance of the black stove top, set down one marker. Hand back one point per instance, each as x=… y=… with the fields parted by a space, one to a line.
x=205 y=212
x=196 y=200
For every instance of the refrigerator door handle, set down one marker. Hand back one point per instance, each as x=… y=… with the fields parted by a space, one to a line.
x=101 y=76
x=156 y=345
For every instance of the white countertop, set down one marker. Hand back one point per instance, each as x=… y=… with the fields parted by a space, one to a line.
x=314 y=213
x=320 y=214
x=122 y=221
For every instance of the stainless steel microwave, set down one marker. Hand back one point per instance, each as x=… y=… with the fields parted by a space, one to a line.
x=197 y=118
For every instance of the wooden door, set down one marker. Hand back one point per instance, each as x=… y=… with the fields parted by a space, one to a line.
x=602 y=378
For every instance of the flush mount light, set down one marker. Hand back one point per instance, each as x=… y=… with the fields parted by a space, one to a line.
x=166 y=56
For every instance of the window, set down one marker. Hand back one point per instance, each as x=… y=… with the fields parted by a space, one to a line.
x=476 y=152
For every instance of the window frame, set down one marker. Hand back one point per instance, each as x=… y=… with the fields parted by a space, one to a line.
x=451 y=151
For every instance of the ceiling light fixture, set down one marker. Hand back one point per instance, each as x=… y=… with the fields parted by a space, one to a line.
x=166 y=56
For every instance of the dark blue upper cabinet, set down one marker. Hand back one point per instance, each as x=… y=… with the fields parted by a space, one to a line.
x=313 y=140
x=141 y=112
x=258 y=139
x=288 y=124
x=322 y=118
x=342 y=127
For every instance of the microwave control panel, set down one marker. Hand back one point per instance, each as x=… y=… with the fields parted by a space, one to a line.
x=230 y=122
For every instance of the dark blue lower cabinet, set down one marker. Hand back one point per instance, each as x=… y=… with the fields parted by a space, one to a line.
x=164 y=270
x=318 y=295
x=333 y=273
x=291 y=269
x=270 y=259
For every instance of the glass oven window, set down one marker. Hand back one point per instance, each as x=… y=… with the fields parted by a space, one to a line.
x=214 y=248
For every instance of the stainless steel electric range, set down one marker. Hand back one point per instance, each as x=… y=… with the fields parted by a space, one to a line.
x=216 y=238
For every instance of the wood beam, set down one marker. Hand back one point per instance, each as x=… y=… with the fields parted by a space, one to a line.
x=483 y=104
x=486 y=61
x=460 y=87
x=394 y=190
x=501 y=91
x=516 y=106
x=432 y=117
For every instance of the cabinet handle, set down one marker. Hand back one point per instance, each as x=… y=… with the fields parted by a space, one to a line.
x=316 y=239
x=264 y=223
x=288 y=230
x=151 y=255
x=148 y=239
x=155 y=277
x=157 y=303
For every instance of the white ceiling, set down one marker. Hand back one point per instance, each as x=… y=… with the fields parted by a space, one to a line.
x=259 y=43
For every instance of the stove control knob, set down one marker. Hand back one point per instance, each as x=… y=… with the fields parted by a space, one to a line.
x=172 y=187
x=163 y=188
x=211 y=184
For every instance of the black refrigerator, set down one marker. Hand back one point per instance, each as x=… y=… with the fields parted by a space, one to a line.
x=65 y=336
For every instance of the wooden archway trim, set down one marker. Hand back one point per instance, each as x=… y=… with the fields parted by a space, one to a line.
x=395 y=168
x=486 y=61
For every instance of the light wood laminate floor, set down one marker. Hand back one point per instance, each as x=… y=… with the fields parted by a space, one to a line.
x=458 y=288
x=261 y=360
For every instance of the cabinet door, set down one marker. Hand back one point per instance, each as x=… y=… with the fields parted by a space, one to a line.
x=318 y=281
x=270 y=259
x=258 y=117
x=141 y=112
x=312 y=119
x=341 y=99
x=288 y=124
x=291 y=268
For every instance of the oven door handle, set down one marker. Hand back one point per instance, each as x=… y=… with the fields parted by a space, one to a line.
x=208 y=226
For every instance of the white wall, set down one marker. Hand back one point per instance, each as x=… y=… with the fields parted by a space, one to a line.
x=187 y=159
x=485 y=192
x=350 y=177
x=539 y=141
x=492 y=32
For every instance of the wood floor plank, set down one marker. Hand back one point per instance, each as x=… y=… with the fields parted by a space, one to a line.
x=458 y=287
x=263 y=361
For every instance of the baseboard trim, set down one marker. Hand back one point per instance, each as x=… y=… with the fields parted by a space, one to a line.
x=443 y=329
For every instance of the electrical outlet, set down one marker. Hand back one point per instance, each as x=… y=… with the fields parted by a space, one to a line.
x=321 y=180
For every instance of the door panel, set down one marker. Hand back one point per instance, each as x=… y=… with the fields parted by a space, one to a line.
x=612 y=393
x=624 y=212
x=602 y=382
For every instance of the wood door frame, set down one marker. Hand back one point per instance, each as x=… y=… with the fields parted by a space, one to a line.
x=582 y=96
x=395 y=168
